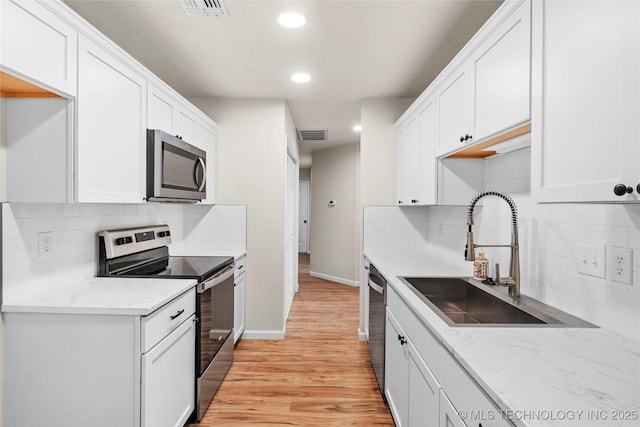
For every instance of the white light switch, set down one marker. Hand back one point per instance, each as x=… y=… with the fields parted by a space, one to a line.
x=591 y=259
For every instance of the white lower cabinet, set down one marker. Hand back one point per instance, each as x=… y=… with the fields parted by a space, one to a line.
x=102 y=370
x=424 y=392
x=239 y=289
x=168 y=379
x=424 y=384
x=448 y=415
x=411 y=389
x=396 y=371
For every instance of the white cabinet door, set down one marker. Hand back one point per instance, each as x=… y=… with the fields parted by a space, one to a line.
x=238 y=308
x=424 y=392
x=206 y=139
x=427 y=153
x=454 y=110
x=160 y=110
x=448 y=415
x=396 y=370
x=168 y=377
x=185 y=124
x=585 y=100
x=111 y=118
x=38 y=45
x=502 y=76
x=408 y=162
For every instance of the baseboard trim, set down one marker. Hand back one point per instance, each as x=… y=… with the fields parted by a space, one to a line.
x=263 y=335
x=362 y=335
x=334 y=279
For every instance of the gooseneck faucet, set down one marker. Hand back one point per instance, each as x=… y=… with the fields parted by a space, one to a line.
x=513 y=281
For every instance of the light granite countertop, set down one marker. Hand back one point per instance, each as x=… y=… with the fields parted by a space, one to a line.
x=104 y=295
x=537 y=376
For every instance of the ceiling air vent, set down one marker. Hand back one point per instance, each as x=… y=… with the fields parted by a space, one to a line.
x=205 y=8
x=312 y=134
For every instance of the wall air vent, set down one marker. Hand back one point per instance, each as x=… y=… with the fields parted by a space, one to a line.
x=215 y=8
x=312 y=134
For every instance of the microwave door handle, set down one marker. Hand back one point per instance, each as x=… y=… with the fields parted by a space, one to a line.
x=204 y=174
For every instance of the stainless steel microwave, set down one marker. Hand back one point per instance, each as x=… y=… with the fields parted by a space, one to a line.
x=176 y=170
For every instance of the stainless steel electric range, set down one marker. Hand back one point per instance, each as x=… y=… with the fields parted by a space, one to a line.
x=143 y=252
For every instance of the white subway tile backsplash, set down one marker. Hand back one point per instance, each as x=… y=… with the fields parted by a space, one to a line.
x=610 y=235
x=74 y=230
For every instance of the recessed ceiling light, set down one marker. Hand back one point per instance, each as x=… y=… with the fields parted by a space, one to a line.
x=357 y=128
x=300 y=77
x=291 y=20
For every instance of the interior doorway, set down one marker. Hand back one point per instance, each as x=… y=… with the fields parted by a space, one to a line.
x=303 y=218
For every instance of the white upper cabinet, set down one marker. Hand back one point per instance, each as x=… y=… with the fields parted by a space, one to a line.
x=185 y=125
x=205 y=138
x=486 y=90
x=502 y=71
x=416 y=167
x=454 y=110
x=38 y=45
x=160 y=110
x=586 y=101
x=427 y=152
x=408 y=162
x=111 y=117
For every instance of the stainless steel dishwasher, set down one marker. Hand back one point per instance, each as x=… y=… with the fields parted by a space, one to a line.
x=377 y=303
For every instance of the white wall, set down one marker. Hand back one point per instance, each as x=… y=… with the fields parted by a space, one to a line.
x=251 y=171
x=334 y=230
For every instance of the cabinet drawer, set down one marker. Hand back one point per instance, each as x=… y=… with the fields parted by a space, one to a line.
x=461 y=389
x=161 y=322
x=240 y=267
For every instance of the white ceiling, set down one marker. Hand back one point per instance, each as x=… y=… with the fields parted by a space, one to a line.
x=352 y=49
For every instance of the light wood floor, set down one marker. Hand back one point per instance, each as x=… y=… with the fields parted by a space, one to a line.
x=319 y=375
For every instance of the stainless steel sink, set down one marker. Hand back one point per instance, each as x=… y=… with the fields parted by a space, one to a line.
x=467 y=302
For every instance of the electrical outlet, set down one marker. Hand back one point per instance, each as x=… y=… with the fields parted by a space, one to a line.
x=45 y=244
x=620 y=265
x=590 y=259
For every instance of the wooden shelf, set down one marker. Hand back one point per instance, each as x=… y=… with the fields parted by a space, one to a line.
x=14 y=87
x=479 y=151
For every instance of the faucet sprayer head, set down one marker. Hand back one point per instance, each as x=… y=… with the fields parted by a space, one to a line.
x=469 y=254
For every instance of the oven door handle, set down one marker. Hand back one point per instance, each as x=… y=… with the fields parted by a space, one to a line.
x=373 y=285
x=217 y=279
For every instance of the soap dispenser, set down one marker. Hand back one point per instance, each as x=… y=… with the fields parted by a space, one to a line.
x=480 y=266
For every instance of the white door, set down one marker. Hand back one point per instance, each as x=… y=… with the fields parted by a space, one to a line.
x=303 y=217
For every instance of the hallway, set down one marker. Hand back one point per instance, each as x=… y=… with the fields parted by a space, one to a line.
x=319 y=375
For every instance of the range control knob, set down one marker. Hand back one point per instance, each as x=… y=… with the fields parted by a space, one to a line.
x=621 y=189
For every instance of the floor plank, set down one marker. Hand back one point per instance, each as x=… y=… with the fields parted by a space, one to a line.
x=319 y=375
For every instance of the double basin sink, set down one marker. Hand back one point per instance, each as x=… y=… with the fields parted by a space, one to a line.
x=468 y=302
